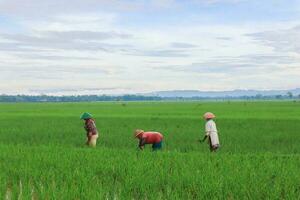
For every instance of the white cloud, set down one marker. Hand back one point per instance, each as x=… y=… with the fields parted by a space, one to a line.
x=283 y=40
x=46 y=8
x=89 y=48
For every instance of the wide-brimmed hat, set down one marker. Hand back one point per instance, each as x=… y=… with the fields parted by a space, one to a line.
x=137 y=132
x=209 y=115
x=86 y=116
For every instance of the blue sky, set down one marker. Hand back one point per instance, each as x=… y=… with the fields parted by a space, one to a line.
x=116 y=47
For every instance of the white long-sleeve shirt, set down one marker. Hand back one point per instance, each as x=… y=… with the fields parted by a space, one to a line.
x=212 y=132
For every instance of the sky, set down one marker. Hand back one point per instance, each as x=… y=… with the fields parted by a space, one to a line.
x=63 y=47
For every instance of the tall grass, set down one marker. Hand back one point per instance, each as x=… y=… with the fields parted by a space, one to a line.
x=43 y=154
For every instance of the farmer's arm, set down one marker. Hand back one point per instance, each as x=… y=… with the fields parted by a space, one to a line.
x=91 y=128
x=207 y=131
x=142 y=143
x=204 y=138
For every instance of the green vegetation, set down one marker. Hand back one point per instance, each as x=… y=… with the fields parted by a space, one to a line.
x=43 y=155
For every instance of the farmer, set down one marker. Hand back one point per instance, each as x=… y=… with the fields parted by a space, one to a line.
x=211 y=132
x=154 y=138
x=91 y=130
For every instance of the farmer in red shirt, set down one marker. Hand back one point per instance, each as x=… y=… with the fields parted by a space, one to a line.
x=149 y=137
x=91 y=130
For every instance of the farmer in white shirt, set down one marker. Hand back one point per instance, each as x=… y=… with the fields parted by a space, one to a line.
x=211 y=132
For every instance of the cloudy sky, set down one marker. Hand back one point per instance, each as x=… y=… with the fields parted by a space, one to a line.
x=131 y=46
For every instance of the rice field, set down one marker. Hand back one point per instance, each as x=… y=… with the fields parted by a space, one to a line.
x=43 y=155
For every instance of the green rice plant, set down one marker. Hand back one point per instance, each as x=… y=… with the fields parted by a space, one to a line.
x=43 y=155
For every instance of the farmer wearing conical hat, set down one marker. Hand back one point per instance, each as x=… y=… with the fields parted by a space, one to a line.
x=91 y=130
x=149 y=137
x=211 y=132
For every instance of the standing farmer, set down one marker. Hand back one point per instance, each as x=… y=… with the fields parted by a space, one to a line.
x=154 y=138
x=211 y=132
x=91 y=130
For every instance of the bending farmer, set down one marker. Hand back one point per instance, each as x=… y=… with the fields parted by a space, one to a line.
x=154 y=138
x=91 y=130
x=211 y=132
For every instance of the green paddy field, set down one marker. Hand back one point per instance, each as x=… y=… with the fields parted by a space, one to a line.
x=43 y=156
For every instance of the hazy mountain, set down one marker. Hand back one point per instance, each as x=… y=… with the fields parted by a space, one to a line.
x=233 y=93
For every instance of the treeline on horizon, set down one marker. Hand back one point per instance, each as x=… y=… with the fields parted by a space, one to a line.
x=85 y=98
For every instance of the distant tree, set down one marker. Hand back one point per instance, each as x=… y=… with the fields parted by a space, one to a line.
x=289 y=94
x=258 y=96
x=45 y=98
x=278 y=96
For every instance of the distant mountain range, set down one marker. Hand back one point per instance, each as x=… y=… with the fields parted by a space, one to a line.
x=221 y=94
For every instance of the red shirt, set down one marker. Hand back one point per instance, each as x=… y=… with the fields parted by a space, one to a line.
x=152 y=137
x=90 y=127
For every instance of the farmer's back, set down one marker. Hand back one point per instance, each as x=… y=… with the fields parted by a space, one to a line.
x=152 y=137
